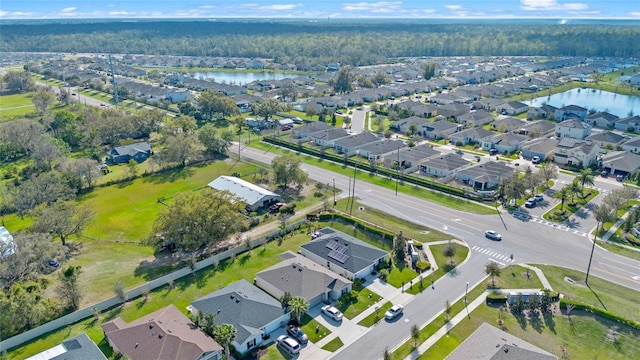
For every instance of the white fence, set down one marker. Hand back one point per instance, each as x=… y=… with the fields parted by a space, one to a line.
x=135 y=292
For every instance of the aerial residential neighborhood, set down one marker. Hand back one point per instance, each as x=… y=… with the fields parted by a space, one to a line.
x=372 y=188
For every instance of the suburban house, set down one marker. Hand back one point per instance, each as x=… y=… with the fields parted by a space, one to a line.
x=443 y=165
x=489 y=104
x=471 y=136
x=489 y=342
x=254 y=313
x=303 y=131
x=545 y=111
x=303 y=277
x=540 y=147
x=177 y=96
x=537 y=128
x=601 y=119
x=375 y=151
x=505 y=143
x=607 y=140
x=512 y=108
x=633 y=145
x=410 y=158
x=253 y=195
x=402 y=126
x=137 y=151
x=620 y=163
x=164 y=334
x=327 y=138
x=7 y=245
x=575 y=129
x=443 y=99
x=630 y=123
x=575 y=152
x=475 y=118
x=349 y=145
x=453 y=110
x=343 y=254
x=76 y=348
x=485 y=176
x=570 y=112
x=440 y=129
x=508 y=124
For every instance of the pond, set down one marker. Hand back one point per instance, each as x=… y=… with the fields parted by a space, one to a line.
x=613 y=103
x=240 y=78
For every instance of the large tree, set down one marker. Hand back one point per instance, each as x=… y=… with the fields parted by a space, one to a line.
x=286 y=170
x=585 y=178
x=45 y=188
x=428 y=70
x=199 y=218
x=548 y=171
x=32 y=251
x=214 y=142
x=23 y=307
x=18 y=81
x=214 y=103
x=42 y=98
x=179 y=149
x=492 y=269
x=344 y=80
x=61 y=219
x=268 y=107
x=46 y=152
x=69 y=290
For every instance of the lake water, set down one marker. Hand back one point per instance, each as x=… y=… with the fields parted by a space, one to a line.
x=240 y=78
x=600 y=100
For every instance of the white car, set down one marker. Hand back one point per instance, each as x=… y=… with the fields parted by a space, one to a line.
x=289 y=344
x=332 y=312
x=393 y=312
x=491 y=234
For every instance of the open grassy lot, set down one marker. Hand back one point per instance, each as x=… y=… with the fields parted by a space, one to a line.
x=15 y=105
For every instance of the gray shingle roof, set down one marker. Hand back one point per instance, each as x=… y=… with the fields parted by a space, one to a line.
x=489 y=171
x=383 y=147
x=491 y=343
x=607 y=137
x=417 y=153
x=243 y=305
x=357 y=140
x=540 y=145
x=358 y=254
x=132 y=149
x=76 y=348
x=446 y=162
x=300 y=276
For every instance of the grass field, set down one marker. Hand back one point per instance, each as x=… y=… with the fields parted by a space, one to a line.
x=583 y=335
x=12 y=106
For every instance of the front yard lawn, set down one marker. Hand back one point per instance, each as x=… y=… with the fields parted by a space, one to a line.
x=358 y=301
x=375 y=316
x=333 y=345
x=314 y=330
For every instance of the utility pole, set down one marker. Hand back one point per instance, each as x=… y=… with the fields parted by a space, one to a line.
x=113 y=81
x=466 y=290
x=397 y=169
x=593 y=247
x=334 y=192
x=353 y=196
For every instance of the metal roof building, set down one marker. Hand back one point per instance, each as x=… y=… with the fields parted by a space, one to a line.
x=253 y=195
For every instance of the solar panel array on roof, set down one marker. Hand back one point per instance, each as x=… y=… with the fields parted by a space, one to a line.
x=338 y=256
x=331 y=245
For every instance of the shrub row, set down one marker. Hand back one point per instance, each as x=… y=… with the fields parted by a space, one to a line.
x=496 y=298
x=600 y=312
x=359 y=224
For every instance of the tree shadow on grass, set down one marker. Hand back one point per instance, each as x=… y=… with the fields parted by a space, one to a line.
x=536 y=321
x=170 y=175
x=522 y=321
x=550 y=322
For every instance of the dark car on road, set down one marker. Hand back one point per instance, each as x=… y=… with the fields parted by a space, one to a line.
x=297 y=334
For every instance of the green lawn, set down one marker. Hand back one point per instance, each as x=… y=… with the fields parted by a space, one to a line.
x=444 y=266
x=375 y=316
x=15 y=105
x=401 y=275
x=361 y=299
x=314 y=330
x=569 y=209
x=333 y=345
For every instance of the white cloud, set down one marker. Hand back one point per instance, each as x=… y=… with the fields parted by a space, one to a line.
x=454 y=7
x=281 y=7
x=545 y=5
x=380 y=6
x=69 y=10
x=634 y=14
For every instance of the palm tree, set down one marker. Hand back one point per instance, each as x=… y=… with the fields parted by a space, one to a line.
x=585 y=178
x=492 y=269
x=225 y=334
x=298 y=306
x=563 y=195
x=574 y=189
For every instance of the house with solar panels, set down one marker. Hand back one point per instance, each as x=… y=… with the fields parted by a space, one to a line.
x=343 y=254
x=254 y=196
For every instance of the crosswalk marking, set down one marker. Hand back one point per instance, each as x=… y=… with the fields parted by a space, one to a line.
x=492 y=253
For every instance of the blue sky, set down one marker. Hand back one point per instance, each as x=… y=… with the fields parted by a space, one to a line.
x=601 y=9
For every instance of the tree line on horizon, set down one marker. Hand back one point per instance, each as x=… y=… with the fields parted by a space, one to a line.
x=355 y=44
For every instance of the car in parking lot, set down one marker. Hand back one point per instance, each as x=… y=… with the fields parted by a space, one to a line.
x=530 y=203
x=493 y=235
x=538 y=197
x=296 y=333
x=393 y=312
x=289 y=344
x=332 y=312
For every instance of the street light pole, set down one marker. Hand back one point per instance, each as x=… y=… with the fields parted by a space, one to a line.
x=466 y=290
x=593 y=247
x=397 y=169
